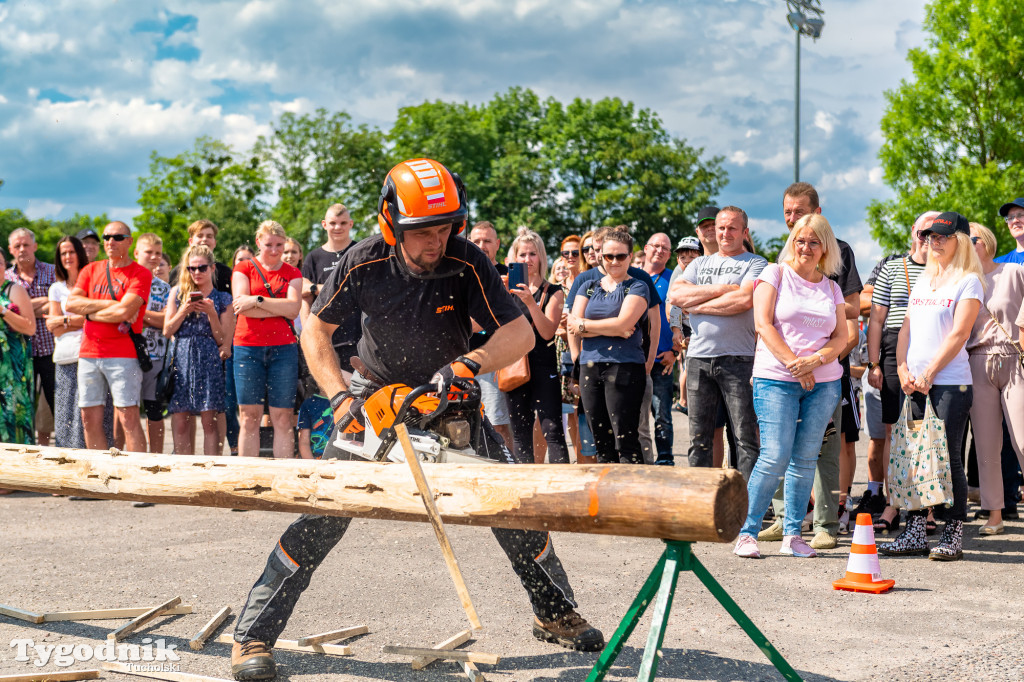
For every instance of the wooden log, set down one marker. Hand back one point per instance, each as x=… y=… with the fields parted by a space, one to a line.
x=427 y=495
x=136 y=623
x=293 y=645
x=444 y=654
x=458 y=639
x=199 y=641
x=111 y=614
x=673 y=503
x=333 y=635
x=66 y=676
x=170 y=676
x=20 y=614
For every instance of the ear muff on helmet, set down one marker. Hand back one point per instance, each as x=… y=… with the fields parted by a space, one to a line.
x=420 y=193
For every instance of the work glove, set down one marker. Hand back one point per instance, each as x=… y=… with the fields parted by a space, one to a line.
x=461 y=367
x=348 y=412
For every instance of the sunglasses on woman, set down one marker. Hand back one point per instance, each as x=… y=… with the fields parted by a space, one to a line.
x=571 y=254
x=615 y=257
x=197 y=268
x=588 y=248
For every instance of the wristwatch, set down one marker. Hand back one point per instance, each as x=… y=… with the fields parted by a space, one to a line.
x=872 y=365
x=259 y=301
x=582 y=326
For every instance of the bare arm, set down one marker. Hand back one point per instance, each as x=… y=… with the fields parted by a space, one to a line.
x=305 y=449
x=654 y=329
x=287 y=307
x=124 y=310
x=507 y=344
x=40 y=305
x=733 y=302
x=686 y=294
x=876 y=324
x=80 y=304
x=55 y=320
x=23 y=322
x=546 y=321
x=853 y=306
x=622 y=325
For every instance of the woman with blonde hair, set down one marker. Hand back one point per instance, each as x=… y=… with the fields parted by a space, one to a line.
x=539 y=397
x=932 y=363
x=800 y=317
x=266 y=300
x=199 y=319
x=994 y=355
x=588 y=254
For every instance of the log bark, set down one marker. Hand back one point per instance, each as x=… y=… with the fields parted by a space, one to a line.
x=672 y=503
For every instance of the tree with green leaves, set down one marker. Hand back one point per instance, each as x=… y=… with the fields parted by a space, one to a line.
x=209 y=181
x=953 y=131
x=320 y=159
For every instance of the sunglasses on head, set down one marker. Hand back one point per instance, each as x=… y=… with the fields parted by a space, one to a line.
x=197 y=268
x=569 y=253
x=115 y=237
x=616 y=257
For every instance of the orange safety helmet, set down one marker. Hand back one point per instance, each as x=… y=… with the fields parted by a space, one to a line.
x=420 y=193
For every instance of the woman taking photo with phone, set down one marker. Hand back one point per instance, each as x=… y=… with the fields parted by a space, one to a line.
x=933 y=365
x=200 y=320
x=266 y=354
x=540 y=397
x=612 y=360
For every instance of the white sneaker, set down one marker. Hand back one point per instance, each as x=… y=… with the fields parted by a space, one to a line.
x=746 y=547
x=844 y=522
x=794 y=545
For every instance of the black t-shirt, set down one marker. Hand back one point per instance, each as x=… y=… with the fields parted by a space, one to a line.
x=849 y=282
x=480 y=338
x=411 y=327
x=317 y=268
x=221 y=283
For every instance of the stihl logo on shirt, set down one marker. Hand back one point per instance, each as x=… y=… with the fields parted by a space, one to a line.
x=445 y=309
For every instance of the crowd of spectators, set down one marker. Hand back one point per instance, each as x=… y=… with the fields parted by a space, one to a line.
x=769 y=362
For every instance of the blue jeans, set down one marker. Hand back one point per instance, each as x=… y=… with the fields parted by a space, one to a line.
x=792 y=423
x=661 y=409
x=271 y=371
x=587 y=447
x=231 y=403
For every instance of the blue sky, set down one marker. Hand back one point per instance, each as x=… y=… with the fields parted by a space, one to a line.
x=89 y=88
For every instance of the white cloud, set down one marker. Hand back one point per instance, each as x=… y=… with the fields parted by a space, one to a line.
x=739 y=157
x=43 y=208
x=825 y=122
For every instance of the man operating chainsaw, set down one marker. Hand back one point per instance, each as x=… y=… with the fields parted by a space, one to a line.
x=416 y=287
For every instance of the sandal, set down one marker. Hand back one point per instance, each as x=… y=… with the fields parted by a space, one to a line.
x=679 y=407
x=887 y=527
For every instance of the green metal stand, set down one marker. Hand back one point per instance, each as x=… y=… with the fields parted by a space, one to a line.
x=678 y=556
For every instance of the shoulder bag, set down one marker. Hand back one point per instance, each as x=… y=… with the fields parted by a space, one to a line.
x=139 y=341
x=274 y=294
x=919 y=474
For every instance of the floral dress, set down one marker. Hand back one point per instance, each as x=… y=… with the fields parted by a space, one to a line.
x=198 y=369
x=16 y=380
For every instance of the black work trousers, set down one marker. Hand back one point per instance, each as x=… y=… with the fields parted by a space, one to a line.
x=613 y=396
x=308 y=541
x=540 y=396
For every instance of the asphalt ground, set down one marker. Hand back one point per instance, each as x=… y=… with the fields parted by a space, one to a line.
x=957 y=620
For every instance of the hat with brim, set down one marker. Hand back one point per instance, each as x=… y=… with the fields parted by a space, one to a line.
x=690 y=244
x=947 y=223
x=706 y=213
x=87 y=233
x=1005 y=208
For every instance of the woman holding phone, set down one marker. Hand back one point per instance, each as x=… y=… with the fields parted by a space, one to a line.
x=199 y=319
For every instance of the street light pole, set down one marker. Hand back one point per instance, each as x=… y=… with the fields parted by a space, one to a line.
x=809 y=26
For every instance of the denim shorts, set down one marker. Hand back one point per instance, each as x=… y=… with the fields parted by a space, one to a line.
x=122 y=375
x=266 y=371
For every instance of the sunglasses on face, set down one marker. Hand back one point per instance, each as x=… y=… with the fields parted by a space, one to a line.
x=197 y=268
x=588 y=249
x=571 y=253
x=115 y=237
x=615 y=257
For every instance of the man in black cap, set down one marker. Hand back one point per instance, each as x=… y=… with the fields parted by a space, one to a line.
x=90 y=242
x=1013 y=214
x=705 y=229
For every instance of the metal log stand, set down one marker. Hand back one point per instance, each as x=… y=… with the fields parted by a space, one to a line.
x=678 y=556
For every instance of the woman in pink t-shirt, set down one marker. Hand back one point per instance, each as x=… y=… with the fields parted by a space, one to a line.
x=800 y=318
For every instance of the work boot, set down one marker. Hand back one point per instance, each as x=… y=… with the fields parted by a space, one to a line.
x=570 y=630
x=252 y=660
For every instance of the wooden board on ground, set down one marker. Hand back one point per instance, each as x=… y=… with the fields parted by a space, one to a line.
x=137 y=623
x=199 y=641
x=472 y=672
x=66 y=676
x=111 y=614
x=458 y=639
x=444 y=654
x=333 y=636
x=20 y=614
x=292 y=645
x=138 y=669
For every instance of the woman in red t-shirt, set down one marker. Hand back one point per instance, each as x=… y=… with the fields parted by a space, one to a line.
x=266 y=352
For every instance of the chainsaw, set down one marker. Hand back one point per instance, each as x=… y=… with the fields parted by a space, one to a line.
x=445 y=425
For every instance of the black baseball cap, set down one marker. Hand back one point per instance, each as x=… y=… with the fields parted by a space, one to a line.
x=1005 y=208
x=707 y=213
x=947 y=223
x=87 y=233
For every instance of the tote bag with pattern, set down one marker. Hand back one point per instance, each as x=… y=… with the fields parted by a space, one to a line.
x=919 y=474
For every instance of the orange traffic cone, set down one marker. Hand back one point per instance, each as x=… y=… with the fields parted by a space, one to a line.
x=863 y=574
